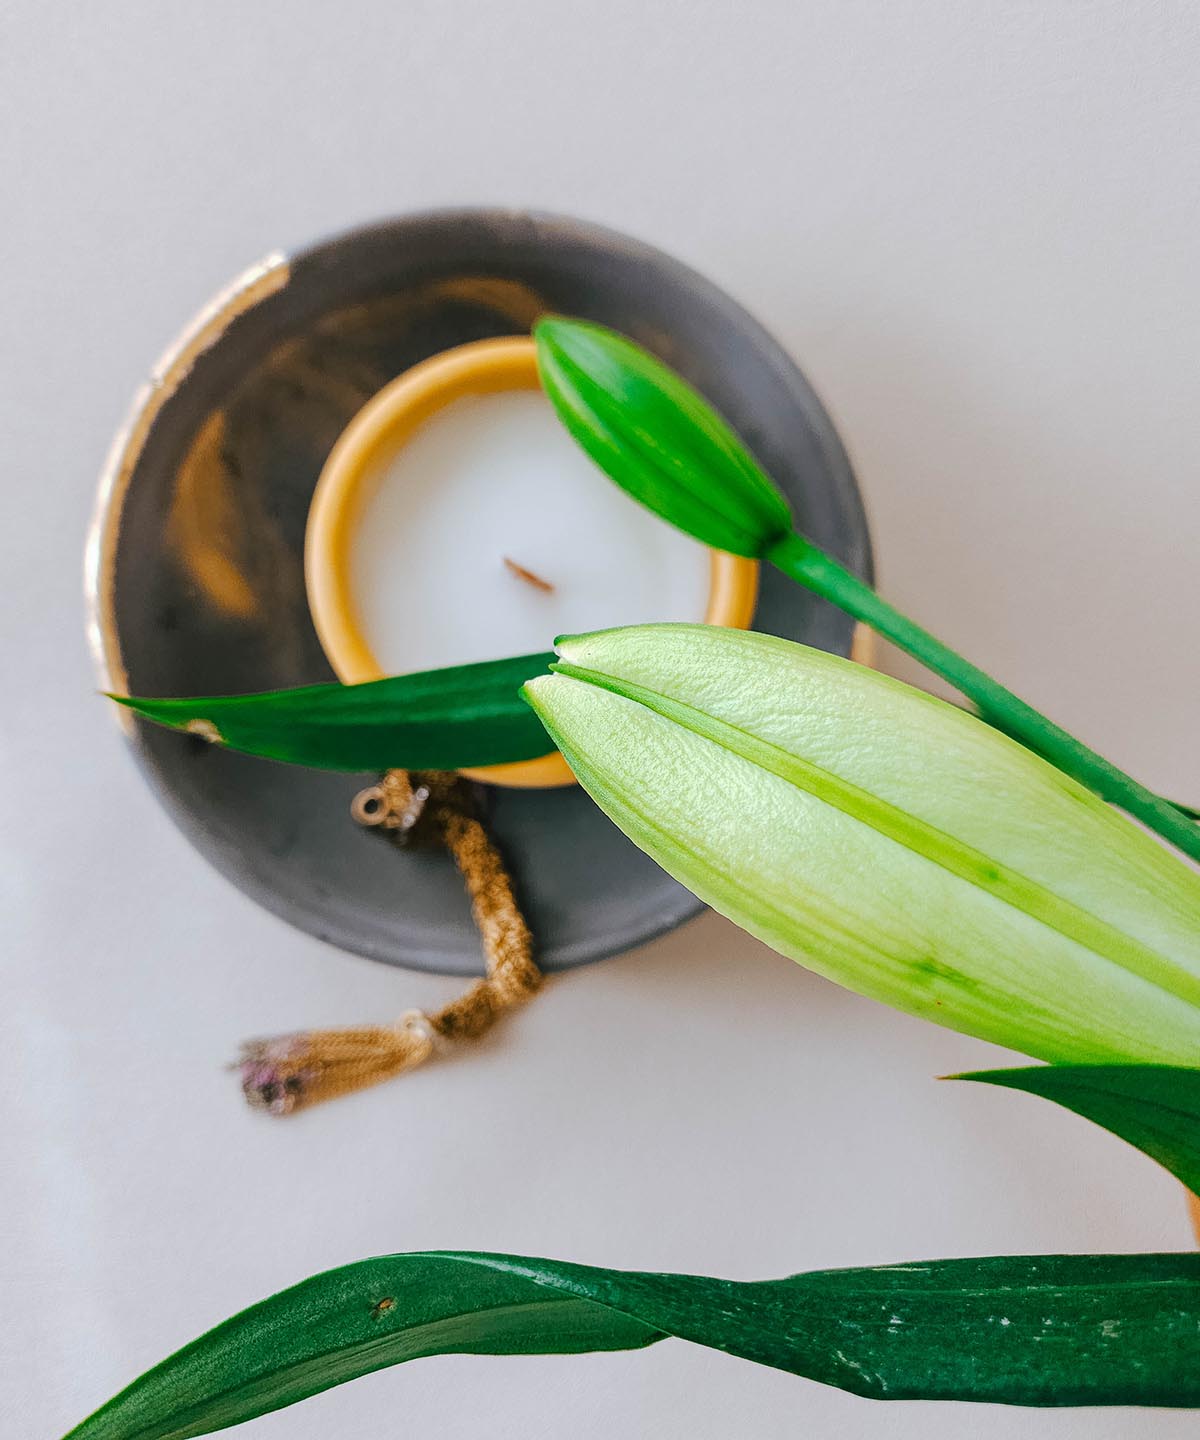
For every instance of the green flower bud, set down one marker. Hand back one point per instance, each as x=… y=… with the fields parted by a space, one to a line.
x=657 y=438
x=885 y=839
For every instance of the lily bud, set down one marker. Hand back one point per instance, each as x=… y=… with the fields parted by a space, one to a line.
x=885 y=839
x=658 y=438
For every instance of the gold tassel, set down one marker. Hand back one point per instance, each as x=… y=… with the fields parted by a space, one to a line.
x=285 y=1073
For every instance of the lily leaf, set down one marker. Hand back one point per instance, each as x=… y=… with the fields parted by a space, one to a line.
x=1032 y=1330
x=1155 y=1107
x=657 y=437
x=885 y=839
x=448 y=719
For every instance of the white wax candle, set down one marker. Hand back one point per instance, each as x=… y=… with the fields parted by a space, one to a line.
x=496 y=476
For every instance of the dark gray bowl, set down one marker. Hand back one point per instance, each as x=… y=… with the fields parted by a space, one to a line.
x=195 y=572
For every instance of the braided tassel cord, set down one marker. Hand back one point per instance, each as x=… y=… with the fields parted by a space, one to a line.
x=286 y=1073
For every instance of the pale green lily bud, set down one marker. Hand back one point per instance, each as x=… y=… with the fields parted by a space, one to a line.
x=885 y=839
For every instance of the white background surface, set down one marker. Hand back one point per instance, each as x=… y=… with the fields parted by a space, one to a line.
x=975 y=226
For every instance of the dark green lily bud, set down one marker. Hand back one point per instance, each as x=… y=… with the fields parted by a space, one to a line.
x=660 y=440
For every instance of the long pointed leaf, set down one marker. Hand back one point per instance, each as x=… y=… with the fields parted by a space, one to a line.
x=1155 y=1107
x=1040 y=1330
x=885 y=839
x=448 y=719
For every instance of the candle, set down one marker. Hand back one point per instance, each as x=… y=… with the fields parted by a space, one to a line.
x=455 y=521
x=492 y=479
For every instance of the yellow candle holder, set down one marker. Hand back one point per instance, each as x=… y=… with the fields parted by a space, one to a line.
x=344 y=489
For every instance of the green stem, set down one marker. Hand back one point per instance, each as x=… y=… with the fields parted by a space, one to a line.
x=803 y=561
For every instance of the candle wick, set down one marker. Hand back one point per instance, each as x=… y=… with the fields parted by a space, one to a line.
x=527 y=575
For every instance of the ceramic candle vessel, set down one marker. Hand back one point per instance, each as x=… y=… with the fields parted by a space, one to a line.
x=195 y=562
x=437 y=481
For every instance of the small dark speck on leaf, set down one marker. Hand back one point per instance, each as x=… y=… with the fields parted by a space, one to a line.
x=381 y=1307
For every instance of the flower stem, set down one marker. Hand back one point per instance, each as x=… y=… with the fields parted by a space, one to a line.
x=806 y=563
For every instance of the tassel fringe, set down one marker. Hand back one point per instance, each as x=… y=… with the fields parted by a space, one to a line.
x=286 y=1073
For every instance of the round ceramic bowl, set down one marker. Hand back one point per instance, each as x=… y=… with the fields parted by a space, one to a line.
x=195 y=563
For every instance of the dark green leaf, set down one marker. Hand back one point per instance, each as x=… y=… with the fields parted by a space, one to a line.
x=1034 y=1330
x=1155 y=1107
x=657 y=438
x=436 y=720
